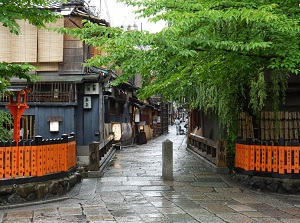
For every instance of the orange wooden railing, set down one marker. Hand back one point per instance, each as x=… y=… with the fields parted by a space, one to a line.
x=275 y=159
x=37 y=158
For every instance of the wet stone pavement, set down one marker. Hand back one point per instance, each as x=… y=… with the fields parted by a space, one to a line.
x=132 y=190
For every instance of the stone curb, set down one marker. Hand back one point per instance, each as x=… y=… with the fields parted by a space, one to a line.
x=72 y=193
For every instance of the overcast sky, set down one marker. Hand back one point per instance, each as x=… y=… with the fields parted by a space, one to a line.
x=121 y=15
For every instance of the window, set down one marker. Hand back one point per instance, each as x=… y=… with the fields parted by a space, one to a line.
x=112 y=107
x=52 y=92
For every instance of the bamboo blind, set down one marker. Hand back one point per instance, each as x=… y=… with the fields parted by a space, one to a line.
x=24 y=45
x=50 y=43
x=46 y=66
x=5 y=45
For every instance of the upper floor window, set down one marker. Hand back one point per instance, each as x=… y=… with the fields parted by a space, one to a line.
x=50 y=92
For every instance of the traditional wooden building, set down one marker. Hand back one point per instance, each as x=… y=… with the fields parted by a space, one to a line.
x=68 y=97
x=267 y=144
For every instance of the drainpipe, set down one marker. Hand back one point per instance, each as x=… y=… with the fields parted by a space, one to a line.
x=101 y=108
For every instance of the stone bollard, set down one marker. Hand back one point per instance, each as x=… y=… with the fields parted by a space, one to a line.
x=167 y=160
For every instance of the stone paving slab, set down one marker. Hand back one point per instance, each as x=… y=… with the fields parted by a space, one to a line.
x=235 y=218
x=244 y=199
x=181 y=218
x=207 y=219
x=254 y=214
x=241 y=208
x=267 y=220
x=17 y=220
x=291 y=220
x=46 y=212
x=218 y=196
x=217 y=208
x=19 y=214
x=291 y=210
x=259 y=206
x=279 y=214
x=216 y=202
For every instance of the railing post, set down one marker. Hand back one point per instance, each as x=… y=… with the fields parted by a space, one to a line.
x=72 y=134
x=72 y=145
x=7 y=159
x=39 y=153
x=94 y=156
x=38 y=140
x=65 y=157
x=167 y=160
x=2 y=160
x=65 y=138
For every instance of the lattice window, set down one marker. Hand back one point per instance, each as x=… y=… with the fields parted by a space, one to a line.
x=52 y=92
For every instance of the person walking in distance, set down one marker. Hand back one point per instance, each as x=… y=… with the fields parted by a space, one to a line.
x=177 y=123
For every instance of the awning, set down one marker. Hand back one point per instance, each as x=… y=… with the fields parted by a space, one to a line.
x=138 y=105
x=67 y=78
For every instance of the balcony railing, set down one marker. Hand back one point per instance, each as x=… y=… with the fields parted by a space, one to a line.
x=49 y=92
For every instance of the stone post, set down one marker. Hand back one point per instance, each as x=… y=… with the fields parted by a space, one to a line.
x=94 y=158
x=167 y=160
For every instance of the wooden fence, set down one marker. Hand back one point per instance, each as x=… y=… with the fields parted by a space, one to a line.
x=268 y=158
x=98 y=152
x=270 y=126
x=37 y=157
x=215 y=152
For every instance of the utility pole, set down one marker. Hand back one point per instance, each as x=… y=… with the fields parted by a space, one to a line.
x=107 y=12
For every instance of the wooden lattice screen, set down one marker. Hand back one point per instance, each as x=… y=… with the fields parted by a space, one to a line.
x=270 y=128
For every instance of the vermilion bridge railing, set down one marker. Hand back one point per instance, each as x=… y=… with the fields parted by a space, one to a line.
x=37 y=157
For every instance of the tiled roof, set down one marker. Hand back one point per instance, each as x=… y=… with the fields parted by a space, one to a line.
x=54 y=5
x=61 y=5
x=78 y=7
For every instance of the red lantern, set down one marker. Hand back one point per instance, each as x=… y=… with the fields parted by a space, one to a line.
x=17 y=105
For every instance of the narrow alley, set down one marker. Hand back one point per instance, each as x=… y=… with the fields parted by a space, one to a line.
x=132 y=190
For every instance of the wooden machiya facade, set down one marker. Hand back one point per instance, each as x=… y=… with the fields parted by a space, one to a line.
x=68 y=97
x=132 y=119
x=206 y=139
x=267 y=145
x=150 y=119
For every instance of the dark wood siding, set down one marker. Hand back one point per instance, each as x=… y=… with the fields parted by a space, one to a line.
x=87 y=121
x=73 y=50
x=42 y=126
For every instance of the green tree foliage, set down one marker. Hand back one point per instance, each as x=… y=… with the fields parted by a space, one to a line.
x=6 y=120
x=30 y=10
x=220 y=55
x=10 y=13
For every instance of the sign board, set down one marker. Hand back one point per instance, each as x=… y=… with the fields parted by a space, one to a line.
x=91 y=88
x=117 y=130
x=87 y=102
x=54 y=126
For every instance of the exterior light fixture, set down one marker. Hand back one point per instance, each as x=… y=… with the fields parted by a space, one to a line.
x=17 y=105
